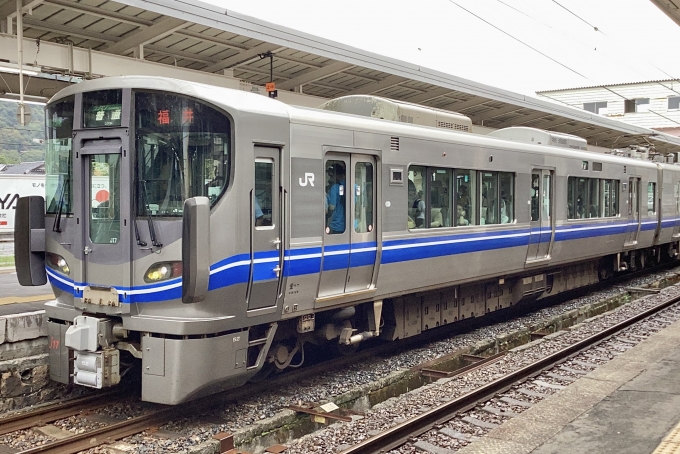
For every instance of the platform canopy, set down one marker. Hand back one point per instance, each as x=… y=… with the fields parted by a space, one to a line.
x=66 y=41
x=670 y=8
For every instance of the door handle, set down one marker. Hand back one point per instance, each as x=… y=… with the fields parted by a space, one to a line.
x=277 y=270
x=87 y=250
x=276 y=242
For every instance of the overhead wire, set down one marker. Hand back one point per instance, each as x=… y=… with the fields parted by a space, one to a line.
x=579 y=17
x=616 y=58
x=520 y=41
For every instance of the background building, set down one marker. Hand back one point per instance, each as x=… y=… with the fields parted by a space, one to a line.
x=652 y=104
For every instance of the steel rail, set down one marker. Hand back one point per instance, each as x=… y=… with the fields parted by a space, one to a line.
x=54 y=412
x=401 y=433
x=107 y=434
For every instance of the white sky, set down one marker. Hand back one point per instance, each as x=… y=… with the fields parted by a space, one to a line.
x=635 y=41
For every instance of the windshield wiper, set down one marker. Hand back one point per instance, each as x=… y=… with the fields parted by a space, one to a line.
x=56 y=227
x=152 y=231
x=140 y=242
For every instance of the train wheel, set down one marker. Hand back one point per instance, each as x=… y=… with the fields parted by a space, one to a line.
x=346 y=349
x=605 y=271
x=642 y=260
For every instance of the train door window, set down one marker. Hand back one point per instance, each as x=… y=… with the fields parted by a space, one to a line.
x=535 y=183
x=632 y=197
x=615 y=197
x=417 y=202
x=363 y=197
x=440 y=197
x=465 y=195
x=547 y=197
x=264 y=193
x=606 y=198
x=677 y=197
x=488 y=202
x=571 y=198
x=651 y=198
x=507 y=201
x=593 y=198
x=336 y=197
x=105 y=198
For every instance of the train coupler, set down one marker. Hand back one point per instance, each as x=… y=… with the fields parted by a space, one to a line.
x=96 y=362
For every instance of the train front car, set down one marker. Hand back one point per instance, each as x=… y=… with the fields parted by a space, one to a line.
x=146 y=245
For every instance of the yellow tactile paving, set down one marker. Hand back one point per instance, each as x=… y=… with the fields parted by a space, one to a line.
x=26 y=299
x=670 y=444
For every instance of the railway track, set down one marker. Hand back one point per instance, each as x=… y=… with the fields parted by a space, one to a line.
x=479 y=410
x=156 y=416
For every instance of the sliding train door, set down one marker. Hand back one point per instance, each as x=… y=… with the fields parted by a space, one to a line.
x=349 y=237
x=542 y=220
x=633 y=227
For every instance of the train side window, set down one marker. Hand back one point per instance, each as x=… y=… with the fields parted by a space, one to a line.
x=440 y=197
x=336 y=197
x=651 y=198
x=417 y=202
x=263 y=197
x=465 y=196
x=507 y=201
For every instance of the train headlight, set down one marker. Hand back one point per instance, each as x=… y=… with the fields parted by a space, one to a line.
x=162 y=271
x=57 y=262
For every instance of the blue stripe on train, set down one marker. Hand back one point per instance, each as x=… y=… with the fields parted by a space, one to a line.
x=236 y=269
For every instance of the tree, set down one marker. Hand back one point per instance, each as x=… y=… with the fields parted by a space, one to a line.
x=16 y=142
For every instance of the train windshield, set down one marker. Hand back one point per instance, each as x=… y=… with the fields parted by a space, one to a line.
x=183 y=151
x=59 y=157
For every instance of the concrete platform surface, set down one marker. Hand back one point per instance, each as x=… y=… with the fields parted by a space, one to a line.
x=630 y=405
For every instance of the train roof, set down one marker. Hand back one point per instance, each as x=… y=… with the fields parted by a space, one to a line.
x=253 y=103
x=302 y=115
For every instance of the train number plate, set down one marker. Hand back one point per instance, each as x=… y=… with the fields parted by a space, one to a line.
x=101 y=296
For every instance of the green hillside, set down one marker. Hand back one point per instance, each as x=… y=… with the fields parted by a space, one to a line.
x=16 y=142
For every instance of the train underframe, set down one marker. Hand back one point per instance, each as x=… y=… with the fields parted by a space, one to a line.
x=97 y=351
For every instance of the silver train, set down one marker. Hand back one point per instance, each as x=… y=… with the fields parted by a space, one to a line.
x=196 y=235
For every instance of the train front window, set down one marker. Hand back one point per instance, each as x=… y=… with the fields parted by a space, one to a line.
x=183 y=151
x=102 y=109
x=59 y=157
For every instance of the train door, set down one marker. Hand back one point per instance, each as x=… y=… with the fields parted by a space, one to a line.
x=633 y=227
x=676 y=209
x=266 y=240
x=349 y=238
x=362 y=228
x=542 y=223
x=104 y=199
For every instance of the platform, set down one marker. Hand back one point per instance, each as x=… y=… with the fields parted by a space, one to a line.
x=630 y=405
